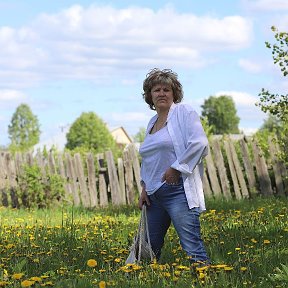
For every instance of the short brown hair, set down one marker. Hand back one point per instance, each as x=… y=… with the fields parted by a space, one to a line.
x=165 y=76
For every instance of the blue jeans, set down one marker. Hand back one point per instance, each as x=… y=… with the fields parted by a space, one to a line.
x=169 y=203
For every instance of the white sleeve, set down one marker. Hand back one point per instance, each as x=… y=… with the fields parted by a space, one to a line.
x=196 y=143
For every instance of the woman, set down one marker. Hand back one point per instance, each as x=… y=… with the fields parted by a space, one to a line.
x=171 y=168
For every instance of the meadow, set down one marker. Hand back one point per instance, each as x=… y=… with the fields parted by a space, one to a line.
x=73 y=247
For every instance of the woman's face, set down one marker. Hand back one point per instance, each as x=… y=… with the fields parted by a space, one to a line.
x=162 y=96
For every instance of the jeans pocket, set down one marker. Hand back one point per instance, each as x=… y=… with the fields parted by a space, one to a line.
x=173 y=184
x=178 y=184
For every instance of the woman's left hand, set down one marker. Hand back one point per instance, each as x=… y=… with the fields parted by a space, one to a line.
x=171 y=176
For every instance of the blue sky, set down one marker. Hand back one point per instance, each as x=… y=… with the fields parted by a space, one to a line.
x=63 y=58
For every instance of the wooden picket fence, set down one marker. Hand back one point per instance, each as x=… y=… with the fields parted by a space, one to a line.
x=233 y=169
x=244 y=173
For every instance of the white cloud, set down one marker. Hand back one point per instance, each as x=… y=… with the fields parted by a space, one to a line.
x=131 y=121
x=248 y=130
x=240 y=98
x=57 y=140
x=130 y=116
x=268 y=5
x=11 y=95
x=249 y=65
x=95 y=42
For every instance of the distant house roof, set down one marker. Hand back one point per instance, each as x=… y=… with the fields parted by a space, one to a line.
x=121 y=136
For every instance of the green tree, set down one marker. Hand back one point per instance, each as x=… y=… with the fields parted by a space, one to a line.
x=90 y=133
x=207 y=128
x=24 y=130
x=221 y=114
x=277 y=104
x=271 y=124
x=139 y=137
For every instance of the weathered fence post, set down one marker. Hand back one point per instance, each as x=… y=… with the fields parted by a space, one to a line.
x=136 y=166
x=12 y=184
x=19 y=171
x=276 y=168
x=84 y=195
x=71 y=175
x=262 y=171
x=206 y=186
x=113 y=179
x=103 y=197
x=213 y=175
x=250 y=174
x=51 y=163
x=219 y=162
x=2 y=178
x=130 y=194
x=238 y=170
x=121 y=175
x=92 y=188
x=67 y=186
x=232 y=170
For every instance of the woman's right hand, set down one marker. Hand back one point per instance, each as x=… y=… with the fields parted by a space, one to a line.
x=144 y=199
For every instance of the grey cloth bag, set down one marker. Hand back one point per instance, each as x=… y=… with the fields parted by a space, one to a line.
x=141 y=247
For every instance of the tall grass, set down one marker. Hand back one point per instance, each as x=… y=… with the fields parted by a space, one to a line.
x=67 y=247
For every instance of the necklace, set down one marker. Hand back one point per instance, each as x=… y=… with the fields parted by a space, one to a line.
x=160 y=126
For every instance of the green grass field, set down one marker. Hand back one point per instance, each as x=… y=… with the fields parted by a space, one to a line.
x=68 y=247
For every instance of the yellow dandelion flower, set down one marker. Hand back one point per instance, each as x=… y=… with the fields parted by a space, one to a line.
x=154 y=266
x=36 y=279
x=102 y=284
x=175 y=279
x=266 y=241
x=203 y=268
x=9 y=246
x=177 y=273
x=3 y=283
x=218 y=266
x=182 y=267
x=243 y=268
x=44 y=276
x=201 y=276
x=126 y=269
x=117 y=260
x=136 y=267
x=49 y=283
x=27 y=283
x=92 y=263
x=228 y=268
x=17 y=276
